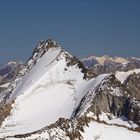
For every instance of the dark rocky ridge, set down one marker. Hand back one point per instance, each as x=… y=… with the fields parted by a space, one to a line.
x=104 y=99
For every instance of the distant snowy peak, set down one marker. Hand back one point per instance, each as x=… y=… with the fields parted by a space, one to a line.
x=9 y=71
x=122 y=76
x=106 y=64
x=103 y=60
x=14 y=63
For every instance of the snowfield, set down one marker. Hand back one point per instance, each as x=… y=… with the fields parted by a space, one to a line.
x=49 y=91
x=94 y=131
x=122 y=76
x=97 y=131
x=39 y=109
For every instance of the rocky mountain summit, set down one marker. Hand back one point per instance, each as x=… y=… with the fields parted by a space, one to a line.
x=55 y=96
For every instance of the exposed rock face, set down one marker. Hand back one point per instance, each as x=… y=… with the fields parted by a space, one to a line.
x=4 y=112
x=110 y=97
x=131 y=110
x=88 y=74
x=132 y=83
x=107 y=97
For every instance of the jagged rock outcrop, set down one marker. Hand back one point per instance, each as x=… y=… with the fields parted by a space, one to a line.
x=132 y=83
x=110 y=97
x=131 y=110
x=107 y=97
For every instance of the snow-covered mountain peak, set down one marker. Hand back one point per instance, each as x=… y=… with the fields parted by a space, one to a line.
x=42 y=47
x=38 y=85
x=46 y=44
x=54 y=86
x=47 y=54
x=104 y=60
x=48 y=47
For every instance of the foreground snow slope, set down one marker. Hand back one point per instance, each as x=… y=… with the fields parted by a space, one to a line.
x=94 y=131
x=97 y=131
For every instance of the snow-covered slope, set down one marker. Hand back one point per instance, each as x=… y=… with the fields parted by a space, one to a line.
x=54 y=97
x=81 y=129
x=51 y=89
x=98 y=131
x=121 y=76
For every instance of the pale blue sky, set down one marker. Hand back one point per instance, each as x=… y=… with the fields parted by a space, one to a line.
x=82 y=27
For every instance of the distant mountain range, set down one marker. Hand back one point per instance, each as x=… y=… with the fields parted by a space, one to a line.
x=56 y=96
x=106 y=64
x=8 y=73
